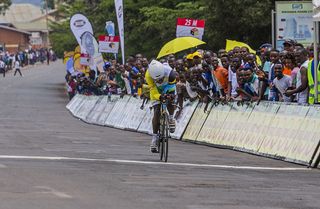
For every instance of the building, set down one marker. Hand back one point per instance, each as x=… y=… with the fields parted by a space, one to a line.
x=32 y=19
x=13 y=39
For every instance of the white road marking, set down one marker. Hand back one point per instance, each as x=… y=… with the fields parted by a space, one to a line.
x=49 y=190
x=13 y=157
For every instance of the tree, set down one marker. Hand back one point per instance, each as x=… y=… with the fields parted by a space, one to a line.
x=149 y=24
x=4 y=5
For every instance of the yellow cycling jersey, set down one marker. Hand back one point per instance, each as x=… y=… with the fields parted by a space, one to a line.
x=168 y=85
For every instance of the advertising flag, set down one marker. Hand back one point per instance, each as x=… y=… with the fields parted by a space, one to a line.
x=109 y=44
x=190 y=27
x=110 y=30
x=80 y=24
x=119 y=12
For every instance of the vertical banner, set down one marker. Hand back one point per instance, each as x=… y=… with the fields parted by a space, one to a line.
x=190 y=27
x=110 y=28
x=80 y=24
x=119 y=12
x=294 y=21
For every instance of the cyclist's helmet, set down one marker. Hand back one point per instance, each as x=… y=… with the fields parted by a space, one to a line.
x=156 y=70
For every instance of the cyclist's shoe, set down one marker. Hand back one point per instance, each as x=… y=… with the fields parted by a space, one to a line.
x=172 y=125
x=154 y=144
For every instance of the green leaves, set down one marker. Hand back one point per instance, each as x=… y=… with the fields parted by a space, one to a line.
x=4 y=5
x=149 y=24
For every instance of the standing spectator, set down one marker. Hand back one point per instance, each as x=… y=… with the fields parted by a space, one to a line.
x=48 y=56
x=17 y=67
x=2 y=67
x=281 y=82
x=301 y=57
x=221 y=74
x=232 y=78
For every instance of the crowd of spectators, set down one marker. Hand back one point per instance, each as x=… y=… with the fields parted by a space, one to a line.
x=8 y=60
x=211 y=77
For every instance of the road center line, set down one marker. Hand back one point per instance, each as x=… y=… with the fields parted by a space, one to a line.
x=13 y=157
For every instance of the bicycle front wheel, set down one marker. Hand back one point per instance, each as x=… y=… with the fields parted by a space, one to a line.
x=165 y=140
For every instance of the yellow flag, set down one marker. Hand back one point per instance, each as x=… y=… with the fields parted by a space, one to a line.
x=231 y=44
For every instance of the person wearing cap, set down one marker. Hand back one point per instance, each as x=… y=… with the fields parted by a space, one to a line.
x=161 y=79
x=288 y=45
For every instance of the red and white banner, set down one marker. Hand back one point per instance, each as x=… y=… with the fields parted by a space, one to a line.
x=109 y=44
x=190 y=27
x=85 y=59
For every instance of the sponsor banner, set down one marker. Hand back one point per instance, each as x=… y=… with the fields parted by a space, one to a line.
x=194 y=127
x=146 y=124
x=190 y=27
x=214 y=123
x=69 y=65
x=109 y=44
x=282 y=130
x=93 y=116
x=117 y=112
x=85 y=59
x=107 y=105
x=257 y=126
x=86 y=108
x=307 y=138
x=75 y=109
x=90 y=44
x=184 y=118
x=119 y=12
x=294 y=21
x=135 y=115
x=234 y=125
x=80 y=24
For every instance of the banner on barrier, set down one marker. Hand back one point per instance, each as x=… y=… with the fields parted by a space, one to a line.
x=257 y=126
x=77 y=106
x=117 y=113
x=196 y=122
x=307 y=139
x=135 y=115
x=234 y=125
x=286 y=123
x=184 y=118
x=73 y=102
x=214 y=123
x=86 y=108
x=107 y=106
x=146 y=124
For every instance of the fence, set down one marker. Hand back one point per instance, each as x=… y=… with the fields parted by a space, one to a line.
x=283 y=131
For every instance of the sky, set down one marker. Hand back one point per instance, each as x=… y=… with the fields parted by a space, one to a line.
x=35 y=2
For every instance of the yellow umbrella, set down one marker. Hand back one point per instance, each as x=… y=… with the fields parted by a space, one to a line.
x=179 y=44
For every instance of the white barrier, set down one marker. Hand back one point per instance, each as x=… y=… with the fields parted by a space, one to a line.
x=198 y=119
x=184 y=118
x=86 y=107
x=117 y=113
x=214 y=124
x=287 y=132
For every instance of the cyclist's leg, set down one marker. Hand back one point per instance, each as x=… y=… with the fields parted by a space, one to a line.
x=172 y=122
x=155 y=128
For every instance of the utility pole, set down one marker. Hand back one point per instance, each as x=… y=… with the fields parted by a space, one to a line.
x=48 y=40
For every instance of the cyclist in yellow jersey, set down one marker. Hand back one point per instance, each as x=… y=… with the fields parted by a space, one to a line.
x=161 y=79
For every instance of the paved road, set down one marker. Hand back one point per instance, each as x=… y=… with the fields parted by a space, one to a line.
x=49 y=159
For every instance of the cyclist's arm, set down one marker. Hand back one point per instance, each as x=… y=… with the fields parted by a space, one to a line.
x=154 y=93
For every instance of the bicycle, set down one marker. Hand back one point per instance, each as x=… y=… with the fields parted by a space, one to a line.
x=164 y=133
